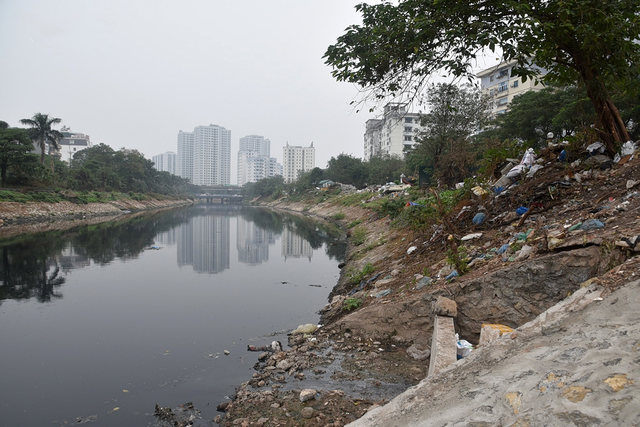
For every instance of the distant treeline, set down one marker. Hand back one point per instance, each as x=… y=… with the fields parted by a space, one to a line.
x=98 y=168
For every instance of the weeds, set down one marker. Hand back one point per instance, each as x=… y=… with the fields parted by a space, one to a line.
x=354 y=223
x=338 y=216
x=351 y=304
x=358 y=235
x=357 y=276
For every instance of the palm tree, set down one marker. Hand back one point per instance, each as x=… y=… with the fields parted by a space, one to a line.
x=41 y=132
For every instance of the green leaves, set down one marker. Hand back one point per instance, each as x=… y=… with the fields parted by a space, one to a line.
x=398 y=47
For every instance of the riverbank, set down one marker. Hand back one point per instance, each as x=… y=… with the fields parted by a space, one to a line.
x=34 y=217
x=377 y=338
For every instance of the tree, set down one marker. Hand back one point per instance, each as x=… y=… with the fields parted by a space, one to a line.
x=384 y=168
x=532 y=115
x=41 y=132
x=15 y=146
x=443 y=146
x=398 y=47
x=347 y=169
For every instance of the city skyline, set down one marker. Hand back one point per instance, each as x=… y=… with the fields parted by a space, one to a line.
x=132 y=74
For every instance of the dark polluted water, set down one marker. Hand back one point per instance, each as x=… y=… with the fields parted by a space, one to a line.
x=99 y=323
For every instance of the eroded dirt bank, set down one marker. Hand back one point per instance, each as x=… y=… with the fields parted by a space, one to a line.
x=519 y=267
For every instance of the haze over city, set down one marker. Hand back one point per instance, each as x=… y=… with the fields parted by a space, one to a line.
x=133 y=74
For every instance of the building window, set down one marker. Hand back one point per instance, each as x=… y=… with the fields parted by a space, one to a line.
x=408 y=119
x=407 y=138
x=502 y=101
x=503 y=73
x=515 y=84
x=503 y=87
x=408 y=129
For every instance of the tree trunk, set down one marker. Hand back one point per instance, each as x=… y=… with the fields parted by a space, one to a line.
x=611 y=125
x=3 y=173
x=42 y=146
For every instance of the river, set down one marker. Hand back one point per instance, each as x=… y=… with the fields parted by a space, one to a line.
x=99 y=323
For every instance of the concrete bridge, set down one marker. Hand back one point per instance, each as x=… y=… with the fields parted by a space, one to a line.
x=221 y=198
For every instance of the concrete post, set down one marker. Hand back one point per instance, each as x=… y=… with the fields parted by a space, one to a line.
x=443 y=344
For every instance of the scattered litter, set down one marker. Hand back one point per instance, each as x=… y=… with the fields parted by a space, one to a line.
x=89 y=419
x=524 y=236
x=502 y=249
x=411 y=250
x=522 y=210
x=309 y=328
x=479 y=191
x=631 y=183
x=383 y=293
x=227 y=352
x=596 y=147
x=592 y=224
x=563 y=156
x=529 y=158
x=535 y=168
x=575 y=227
x=524 y=253
x=425 y=281
x=471 y=236
x=453 y=274
x=479 y=218
x=154 y=248
x=628 y=148
x=516 y=171
x=464 y=347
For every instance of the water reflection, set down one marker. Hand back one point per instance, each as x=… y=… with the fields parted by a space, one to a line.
x=34 y=266
x=253 y=242
x=204 y=243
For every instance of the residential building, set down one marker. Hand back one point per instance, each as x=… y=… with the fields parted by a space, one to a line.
x=502 y=87
x=184 y=162
x=391 y=134
x=204 y=155
x=70 y=144
x=166 y=162
x=296 y=159
x=254 y=161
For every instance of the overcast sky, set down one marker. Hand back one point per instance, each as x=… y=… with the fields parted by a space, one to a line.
x=133 y=73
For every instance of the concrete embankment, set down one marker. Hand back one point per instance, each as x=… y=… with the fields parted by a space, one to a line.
x=574 y=365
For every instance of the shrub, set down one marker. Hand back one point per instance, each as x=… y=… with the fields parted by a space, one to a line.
x=338 y=216
x=351 y=303
x=358 y=235
x=390 y=207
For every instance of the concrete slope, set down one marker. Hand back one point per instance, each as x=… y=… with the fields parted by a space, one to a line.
x=577 y=364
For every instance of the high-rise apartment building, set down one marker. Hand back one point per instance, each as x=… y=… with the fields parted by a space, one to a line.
x=204 y=155
x=296 y=159
x=165 y=162
x=502 y=87
x=393 y=133
x=254 y=161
